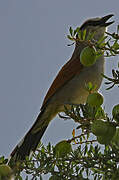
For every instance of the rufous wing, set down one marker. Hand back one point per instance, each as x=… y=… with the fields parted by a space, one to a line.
x=67 y=72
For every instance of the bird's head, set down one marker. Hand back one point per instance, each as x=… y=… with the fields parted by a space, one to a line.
x=97 y=25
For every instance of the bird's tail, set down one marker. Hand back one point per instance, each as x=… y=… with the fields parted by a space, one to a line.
x=30 y=141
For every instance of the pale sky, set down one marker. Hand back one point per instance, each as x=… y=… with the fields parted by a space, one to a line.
x=33 y=47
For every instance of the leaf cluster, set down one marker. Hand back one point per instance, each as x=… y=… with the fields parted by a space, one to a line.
x=86 y=160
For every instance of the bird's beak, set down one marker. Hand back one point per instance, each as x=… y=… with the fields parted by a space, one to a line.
x=103 y=20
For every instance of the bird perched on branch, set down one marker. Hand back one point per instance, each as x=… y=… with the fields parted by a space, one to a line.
x=67 y=88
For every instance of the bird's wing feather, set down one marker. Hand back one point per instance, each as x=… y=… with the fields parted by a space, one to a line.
x=70 y=69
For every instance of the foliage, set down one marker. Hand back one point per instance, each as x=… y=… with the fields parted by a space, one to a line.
x=87 y=159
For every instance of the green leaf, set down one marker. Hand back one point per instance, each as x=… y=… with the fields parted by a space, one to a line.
x=101 y=40
x=70 y=38
x=71 y=31
x=99 y=53
x=75 y=31
x=49 y=147
x=79 y=34
x=100 y=113
x=90 y=87
x=1 y=159
x=86 y=149
x=116 y=45
x=84 y=35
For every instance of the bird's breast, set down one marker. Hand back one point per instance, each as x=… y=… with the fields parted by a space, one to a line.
x=74 y=91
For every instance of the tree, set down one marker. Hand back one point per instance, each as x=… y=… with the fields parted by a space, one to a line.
x=94 y=152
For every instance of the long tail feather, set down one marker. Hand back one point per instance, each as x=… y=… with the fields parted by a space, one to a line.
x=30 y=141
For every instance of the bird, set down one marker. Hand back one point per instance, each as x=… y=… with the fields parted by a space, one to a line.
x=67 y=88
